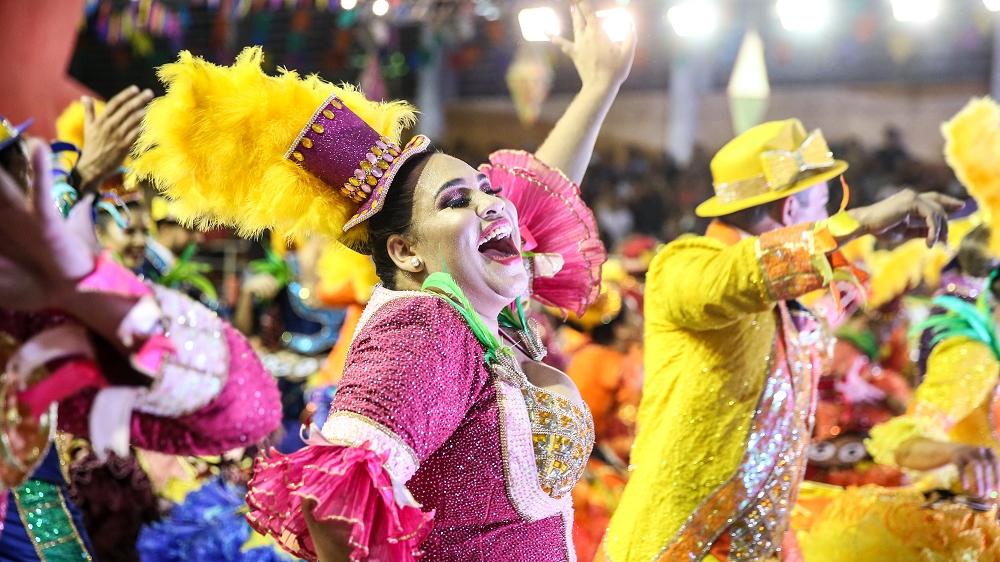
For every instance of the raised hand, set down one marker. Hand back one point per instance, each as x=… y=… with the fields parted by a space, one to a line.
x=43 y=255
x=979 y=468
x=599 y=60
x=108 y=137
x=603 y=65
x=908 y=214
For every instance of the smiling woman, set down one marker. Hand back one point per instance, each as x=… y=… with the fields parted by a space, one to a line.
x=447 y=437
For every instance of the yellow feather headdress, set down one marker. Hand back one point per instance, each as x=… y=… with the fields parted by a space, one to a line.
x=218 y=145
x=900 y=270
x=972 y=149
x=345 y=277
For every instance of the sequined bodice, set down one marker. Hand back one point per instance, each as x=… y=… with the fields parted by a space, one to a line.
x=562 y=433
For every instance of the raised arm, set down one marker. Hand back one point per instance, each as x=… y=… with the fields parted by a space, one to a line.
x=702 y=284
x=176 y=378
x=603 y=64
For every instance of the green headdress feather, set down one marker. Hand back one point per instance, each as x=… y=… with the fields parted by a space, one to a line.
x=964 y=319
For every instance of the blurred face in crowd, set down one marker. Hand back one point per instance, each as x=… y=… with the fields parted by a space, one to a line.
x=127 y=244
x=175 y=237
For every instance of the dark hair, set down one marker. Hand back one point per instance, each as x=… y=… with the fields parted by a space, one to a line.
x=13 y=161
x=8 y=154
x=395 y=217
x=974 y=257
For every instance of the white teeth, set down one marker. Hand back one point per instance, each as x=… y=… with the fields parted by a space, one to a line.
x=500 y=232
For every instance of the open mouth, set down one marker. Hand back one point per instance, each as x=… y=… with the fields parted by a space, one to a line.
x=497 y=243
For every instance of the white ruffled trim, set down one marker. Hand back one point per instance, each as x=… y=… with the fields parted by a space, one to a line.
x=196 y=372
x=141 y=321
x=110 y=420
x=351 y=429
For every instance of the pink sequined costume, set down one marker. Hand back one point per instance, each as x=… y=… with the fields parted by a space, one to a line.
x=417 y=391
x=209 y=394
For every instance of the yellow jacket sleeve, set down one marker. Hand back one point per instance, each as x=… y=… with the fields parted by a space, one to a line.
x=700 y=283
x=961 y=374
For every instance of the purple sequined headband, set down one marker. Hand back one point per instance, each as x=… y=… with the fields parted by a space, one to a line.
x=343 y=151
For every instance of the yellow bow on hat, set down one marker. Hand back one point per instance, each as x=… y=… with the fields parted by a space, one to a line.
x=766 y=163
x=782 y=167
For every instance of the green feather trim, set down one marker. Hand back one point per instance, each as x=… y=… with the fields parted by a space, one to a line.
x=514 y=319
x=863 y=340
x=963 y=319
x=188 y=272
x=443 y=284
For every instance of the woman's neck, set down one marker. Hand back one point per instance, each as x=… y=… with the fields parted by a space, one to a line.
x=491 y=322
x=487 y=312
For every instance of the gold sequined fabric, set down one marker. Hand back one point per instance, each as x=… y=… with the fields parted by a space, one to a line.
x=562 y=433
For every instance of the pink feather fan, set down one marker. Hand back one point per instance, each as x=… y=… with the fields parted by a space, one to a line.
x=553 y=220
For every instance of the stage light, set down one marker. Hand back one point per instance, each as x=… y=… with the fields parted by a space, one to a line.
x=803 y=15
x=487 y=10
x=992 y=5
x=617 y=23
x=348 y=4
x=693 y=18
x=539 y=24
x=380 y=7
x=915 y=11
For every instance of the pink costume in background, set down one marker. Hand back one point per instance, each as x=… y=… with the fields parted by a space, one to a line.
x=209 y=393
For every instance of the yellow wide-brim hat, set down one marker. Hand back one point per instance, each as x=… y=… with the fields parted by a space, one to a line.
x=766 y=163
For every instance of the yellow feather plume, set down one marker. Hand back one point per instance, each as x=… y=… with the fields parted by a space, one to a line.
x=216 y=143
x=894 y=272
x=345 y=277
x=972 y=149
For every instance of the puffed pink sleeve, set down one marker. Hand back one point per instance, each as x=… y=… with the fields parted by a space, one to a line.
x=412 y=374
x=246 y=408
x=209 y=392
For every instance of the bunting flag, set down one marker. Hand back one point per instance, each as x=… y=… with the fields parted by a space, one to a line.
x=529 y=79
x=749 y=89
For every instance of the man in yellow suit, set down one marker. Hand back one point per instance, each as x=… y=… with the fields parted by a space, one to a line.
x=731 y=359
